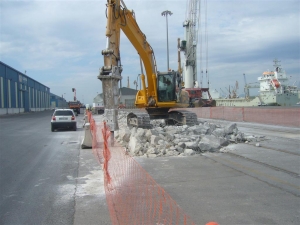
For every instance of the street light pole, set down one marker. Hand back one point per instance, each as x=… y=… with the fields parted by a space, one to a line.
x=166 y=13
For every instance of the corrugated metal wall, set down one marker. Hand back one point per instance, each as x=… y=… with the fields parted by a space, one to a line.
x=57 y=102
x=20 y=93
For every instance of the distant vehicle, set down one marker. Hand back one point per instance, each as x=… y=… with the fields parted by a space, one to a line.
x=98 y=108
x=122 y=106
x=63 y=118
x=261 y=104
x=75 y=105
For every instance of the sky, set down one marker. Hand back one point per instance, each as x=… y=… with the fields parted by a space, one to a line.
x=59 y=43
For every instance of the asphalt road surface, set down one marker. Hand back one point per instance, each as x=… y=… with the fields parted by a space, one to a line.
x=45 y=178
x=37 y=170
x=246 y=184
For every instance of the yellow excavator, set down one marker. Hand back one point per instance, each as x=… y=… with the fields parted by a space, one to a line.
x=161 y=94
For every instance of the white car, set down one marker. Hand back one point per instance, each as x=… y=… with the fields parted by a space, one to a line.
x=63 y=118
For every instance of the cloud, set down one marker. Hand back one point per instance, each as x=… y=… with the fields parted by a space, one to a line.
x=59 y=43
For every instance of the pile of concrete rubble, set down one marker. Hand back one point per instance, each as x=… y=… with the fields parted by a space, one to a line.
x=164 y=140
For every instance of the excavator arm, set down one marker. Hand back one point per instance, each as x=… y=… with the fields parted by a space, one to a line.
x=148 y=95
x=153 y=96
x=120 y=18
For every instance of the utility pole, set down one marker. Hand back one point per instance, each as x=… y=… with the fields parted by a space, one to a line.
x=166 y=13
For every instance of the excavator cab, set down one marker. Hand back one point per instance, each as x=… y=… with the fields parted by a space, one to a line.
x=166 y=86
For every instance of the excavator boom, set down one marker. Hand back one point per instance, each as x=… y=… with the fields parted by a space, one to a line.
x=161 y=91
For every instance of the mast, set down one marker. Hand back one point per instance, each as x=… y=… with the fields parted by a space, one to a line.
x=189 y=45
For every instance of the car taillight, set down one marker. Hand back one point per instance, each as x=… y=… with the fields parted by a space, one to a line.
x=53 y=118
x=73 y=118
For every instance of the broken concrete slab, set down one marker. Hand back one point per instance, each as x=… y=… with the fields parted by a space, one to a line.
x=163 y=140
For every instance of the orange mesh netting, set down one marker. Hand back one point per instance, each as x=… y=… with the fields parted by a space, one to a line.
x=132 y=195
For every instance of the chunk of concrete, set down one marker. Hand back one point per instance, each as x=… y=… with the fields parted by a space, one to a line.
x=189 y=152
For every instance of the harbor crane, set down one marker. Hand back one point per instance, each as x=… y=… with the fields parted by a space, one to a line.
x=246 y=90
x=189 y=47
x=223 y=93
x=74 y=90
x=248 y=86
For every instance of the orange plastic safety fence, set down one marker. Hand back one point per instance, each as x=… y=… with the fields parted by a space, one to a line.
x=95 y=144
x=132 y=195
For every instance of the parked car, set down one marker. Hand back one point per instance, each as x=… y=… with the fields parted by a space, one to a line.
x=63 y=118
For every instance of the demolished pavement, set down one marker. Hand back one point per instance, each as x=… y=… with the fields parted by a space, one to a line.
x=163 y=140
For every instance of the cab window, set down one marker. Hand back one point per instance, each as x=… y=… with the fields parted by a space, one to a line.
x=166 y=87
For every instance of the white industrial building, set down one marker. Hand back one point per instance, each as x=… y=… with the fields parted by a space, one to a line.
x=127 y=98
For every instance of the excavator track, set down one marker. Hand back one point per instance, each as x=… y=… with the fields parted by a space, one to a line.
x=175 y=117
x=182 y=117
x=140 y=120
